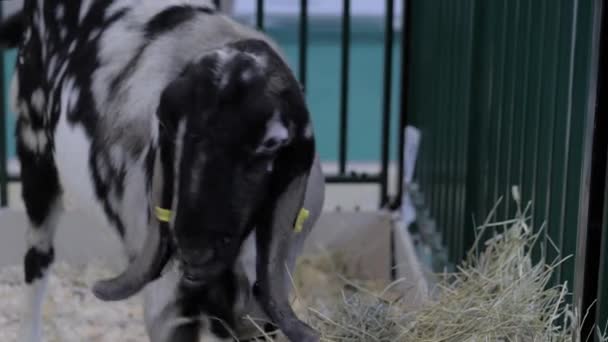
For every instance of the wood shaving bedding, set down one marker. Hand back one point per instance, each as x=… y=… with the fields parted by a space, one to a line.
x=71 y=312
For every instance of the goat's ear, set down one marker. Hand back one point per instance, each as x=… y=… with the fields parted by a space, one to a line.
x=277 y=231
x=188 y=94
x=174 y=102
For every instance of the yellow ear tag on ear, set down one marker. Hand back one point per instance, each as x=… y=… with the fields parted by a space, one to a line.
x=163 y=215
x=302 y=217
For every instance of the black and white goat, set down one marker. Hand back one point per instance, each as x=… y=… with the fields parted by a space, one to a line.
x=188 y=133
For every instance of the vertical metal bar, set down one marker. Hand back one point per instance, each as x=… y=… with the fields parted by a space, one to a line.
x=506 y=120
x=534 y=112
x=405 y=89
x=584 y=212
x=560 y=131
x=602 y=292
x=445 y=116
x=568 y=243
x=514 y=57
x=259 y=21
x=528 y=96
x=521 y=98
x=218 y=4
x=593 y=189
x=469 y=39
x=3 y=153
x=448 y=112
x=442 y=70
x=497 y=110
x=303 y=41
x=437 y=118
x=480 y=66
x=386 y=105
x=601 y=123
x=545 y=130
x=343 y=134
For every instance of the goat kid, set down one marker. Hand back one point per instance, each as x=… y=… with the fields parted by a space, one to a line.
x=185 y=131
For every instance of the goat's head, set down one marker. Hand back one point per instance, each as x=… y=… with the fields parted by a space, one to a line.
x=236 y=148
x=231 y=129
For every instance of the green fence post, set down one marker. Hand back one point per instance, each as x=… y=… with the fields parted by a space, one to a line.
x=386 y=102
x=3 y=152
x=303 y=47
x=602 y=294
x=344 y=87
x=259 y=18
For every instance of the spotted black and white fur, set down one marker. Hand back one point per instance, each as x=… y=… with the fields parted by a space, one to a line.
x=125 y=105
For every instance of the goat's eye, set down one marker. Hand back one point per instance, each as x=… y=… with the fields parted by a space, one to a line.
x=271 y=144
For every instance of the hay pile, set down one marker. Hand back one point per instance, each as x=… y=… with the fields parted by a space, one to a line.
x=497 y=294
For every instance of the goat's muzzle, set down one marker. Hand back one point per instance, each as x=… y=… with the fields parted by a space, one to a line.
x=201 y=267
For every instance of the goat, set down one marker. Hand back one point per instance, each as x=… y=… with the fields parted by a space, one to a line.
x=185 y=131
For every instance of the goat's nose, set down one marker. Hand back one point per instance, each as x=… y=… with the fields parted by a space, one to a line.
x=197 y=257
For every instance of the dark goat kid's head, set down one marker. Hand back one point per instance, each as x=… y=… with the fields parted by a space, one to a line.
x=225 y=121
x=238 y=132
x=236 y=150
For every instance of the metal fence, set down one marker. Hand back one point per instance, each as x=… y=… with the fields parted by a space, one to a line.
x=505 y=93
x=384 y=113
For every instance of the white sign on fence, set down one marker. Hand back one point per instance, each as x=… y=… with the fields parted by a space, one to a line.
x=410 y=150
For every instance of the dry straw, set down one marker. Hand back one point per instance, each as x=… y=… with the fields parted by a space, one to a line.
x=497 y=294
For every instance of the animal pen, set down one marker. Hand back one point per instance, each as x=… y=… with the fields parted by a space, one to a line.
x=504 y=93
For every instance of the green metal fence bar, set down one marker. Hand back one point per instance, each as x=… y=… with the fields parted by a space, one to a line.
x=462 y=86
x=344 y=87
x=475 y=181
x=602 y=290
x=520 y=98
x=3 y=142
x=496 y=111
x=600 y=152
x=533 y=113
x=602 y=294
x=386 y=101
x=581 y=191
x=404 y=92
x=451 y=27
x=526 y=96
x=303 y=44
x=559 y=144
x=259 y=17
x=514 y=63
x=505 y=105
x=451 y=181
x=547 y=108
x=455 y=12
x=576 y=143
x=462 y=217
x=439 y=130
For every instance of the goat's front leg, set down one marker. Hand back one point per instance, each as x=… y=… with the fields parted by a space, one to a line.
x=43 y=202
